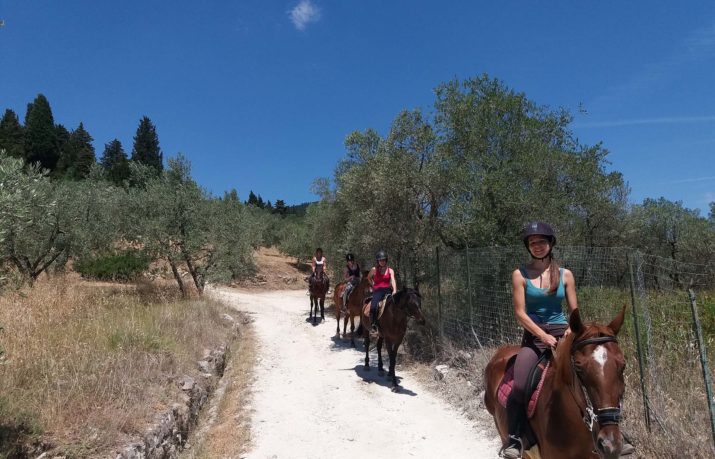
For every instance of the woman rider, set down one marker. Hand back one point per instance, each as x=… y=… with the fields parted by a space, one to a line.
x=382 y=279
x=319 y=265
x=352 y=276
x=538 y=290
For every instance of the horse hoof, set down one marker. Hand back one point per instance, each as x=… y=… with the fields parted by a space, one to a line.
x=381 y=372
x=352 y=344
x=395 y=389
x=367 y=367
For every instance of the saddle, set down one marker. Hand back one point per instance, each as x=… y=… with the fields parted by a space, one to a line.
x=535 y=382
x=380 y=307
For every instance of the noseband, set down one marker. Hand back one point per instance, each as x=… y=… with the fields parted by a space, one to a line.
x=603 y=416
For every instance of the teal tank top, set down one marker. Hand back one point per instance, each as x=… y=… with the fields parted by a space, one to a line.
x=542 y=307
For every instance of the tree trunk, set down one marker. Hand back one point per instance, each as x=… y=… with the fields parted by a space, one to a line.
x=177 y=276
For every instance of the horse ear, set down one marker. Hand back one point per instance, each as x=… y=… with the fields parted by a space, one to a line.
x=575 y=322
x=616 y=323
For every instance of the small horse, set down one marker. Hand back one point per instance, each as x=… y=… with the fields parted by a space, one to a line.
x=392 y=328
x=319 y=286
x=579 y=408
x=354 y=306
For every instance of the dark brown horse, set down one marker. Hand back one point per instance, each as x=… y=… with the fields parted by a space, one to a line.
x=353 y=308
x=319 y=286
x=578 y=412
x=392 y=328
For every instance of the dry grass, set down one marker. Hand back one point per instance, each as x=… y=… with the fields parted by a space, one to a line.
x=463 y=387
x=230 y=435
x=88 y=367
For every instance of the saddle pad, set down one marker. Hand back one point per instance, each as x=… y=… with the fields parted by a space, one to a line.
x=380 y=307
x=507 y=384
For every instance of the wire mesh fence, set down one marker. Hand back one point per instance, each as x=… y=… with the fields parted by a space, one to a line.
x=467 y=297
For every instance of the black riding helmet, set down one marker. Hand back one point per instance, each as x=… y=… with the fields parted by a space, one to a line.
x=350 y=257
x=381 y=255
x=537 y=228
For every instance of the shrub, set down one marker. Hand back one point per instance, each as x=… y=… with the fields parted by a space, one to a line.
x=123 y=266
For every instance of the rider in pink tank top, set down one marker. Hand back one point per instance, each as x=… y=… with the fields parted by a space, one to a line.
x=382 y=280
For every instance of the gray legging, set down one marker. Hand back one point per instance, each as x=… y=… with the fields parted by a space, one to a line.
x=531 y=350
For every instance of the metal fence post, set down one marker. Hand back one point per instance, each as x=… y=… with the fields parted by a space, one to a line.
x=634 y=308
x=703 y=360
x=439 y=297
x=469 y=289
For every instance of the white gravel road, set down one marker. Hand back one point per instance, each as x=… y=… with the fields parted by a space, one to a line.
x=312 y=398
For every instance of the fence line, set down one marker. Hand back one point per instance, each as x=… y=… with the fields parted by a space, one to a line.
x=467 y=294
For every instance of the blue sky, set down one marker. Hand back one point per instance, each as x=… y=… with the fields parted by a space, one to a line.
x=260 y=94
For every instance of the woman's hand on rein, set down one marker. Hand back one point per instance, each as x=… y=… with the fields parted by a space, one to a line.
x=549 y=340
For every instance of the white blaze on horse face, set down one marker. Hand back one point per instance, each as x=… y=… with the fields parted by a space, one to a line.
x=600 y=354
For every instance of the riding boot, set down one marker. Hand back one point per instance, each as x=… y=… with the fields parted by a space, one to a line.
x=515 y=418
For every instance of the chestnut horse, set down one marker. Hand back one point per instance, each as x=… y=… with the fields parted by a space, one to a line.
x=578 y=412
x=353 y=308
x=392 y=328
x=319 y=286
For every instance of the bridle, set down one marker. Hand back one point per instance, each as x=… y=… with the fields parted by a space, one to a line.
x=407 y=299
x=603 y=416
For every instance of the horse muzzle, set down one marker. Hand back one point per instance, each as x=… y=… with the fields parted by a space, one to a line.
x=609 y=442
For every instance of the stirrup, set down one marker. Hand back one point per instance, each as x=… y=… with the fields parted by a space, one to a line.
x=514 y=448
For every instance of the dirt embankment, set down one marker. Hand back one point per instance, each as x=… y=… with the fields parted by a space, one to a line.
x=276 y=271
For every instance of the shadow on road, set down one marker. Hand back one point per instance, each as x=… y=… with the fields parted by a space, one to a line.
x=317 y=322
x=371 y=376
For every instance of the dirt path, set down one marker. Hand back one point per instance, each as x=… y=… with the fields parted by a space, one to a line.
x=312 y=398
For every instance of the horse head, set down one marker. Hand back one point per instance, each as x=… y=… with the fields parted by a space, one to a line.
x=595 y=374
x=410 y=300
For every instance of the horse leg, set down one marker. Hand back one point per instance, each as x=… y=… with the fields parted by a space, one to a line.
x=367 y=351
x=380 y=368
x=352 y=329
x=345 y=324
x=314 y=313
x=392 y=351
x=337 y=330
x=322 y=309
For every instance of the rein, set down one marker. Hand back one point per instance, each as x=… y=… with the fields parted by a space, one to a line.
x=603 y=416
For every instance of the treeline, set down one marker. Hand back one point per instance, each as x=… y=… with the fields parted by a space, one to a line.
x=279 y=207
x=70 y=154
x=470 y=174
x=58 y=206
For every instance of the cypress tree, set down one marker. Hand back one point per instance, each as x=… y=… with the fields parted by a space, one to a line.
x=11 y=135
x=76 y=153
x=41 y=143
x=115 y=162
x=146 y=145
x=252 y=199
x=83 y=150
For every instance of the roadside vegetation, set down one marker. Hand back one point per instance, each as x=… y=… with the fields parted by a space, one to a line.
x=85 y=365
x=87 y=368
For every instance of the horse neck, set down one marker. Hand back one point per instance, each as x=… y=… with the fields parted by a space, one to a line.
x=561 y=393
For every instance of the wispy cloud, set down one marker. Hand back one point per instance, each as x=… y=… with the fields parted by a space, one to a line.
x=303 y=14
x=648 y=121
x=698 y=46
x=689 y=180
